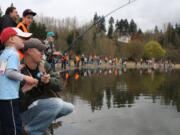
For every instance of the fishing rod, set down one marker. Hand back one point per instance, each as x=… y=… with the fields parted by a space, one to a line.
x=95 y=23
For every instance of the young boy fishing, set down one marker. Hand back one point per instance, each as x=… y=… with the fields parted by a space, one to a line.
x=10 y=79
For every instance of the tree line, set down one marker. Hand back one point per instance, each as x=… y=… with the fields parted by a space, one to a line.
x=103 y=38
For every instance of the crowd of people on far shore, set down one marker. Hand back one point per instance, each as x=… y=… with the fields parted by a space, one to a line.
x=68 y=61
x=29 y=98
x=84 y=60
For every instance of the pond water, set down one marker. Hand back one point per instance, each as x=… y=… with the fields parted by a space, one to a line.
x=116 y=102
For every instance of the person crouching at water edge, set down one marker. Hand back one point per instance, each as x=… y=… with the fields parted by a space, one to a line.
x=10 y=78
x=41 y=106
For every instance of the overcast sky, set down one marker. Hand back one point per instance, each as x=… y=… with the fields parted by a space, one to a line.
x=146 y=13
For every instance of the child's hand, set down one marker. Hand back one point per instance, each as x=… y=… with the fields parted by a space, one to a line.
x=30 y=80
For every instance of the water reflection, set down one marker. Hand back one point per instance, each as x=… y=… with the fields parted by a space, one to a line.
x=116 y=88
x=126 y=102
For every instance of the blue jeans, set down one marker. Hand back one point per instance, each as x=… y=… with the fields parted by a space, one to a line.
x=42 y=112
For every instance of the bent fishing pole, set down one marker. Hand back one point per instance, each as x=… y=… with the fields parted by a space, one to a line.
x=95 y=23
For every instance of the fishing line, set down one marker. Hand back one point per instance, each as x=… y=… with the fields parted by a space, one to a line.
x=98 y=21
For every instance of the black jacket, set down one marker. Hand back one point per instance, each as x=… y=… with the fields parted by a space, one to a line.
x=7 y=21
x=42 y=91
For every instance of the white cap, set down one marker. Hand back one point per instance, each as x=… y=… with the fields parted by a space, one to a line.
x=22 y=34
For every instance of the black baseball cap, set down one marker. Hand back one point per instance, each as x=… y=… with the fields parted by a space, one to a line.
x=28 y=12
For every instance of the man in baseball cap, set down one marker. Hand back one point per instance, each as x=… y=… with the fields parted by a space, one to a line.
x=35 y=48
x=40 y=98
x=28 y=12
x=34 y=43
x=27 y=20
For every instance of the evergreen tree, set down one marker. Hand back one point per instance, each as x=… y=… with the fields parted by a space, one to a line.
x=139 y=31
x=96 y=18
x=177 y=36
x=38 y=30
x=70 y=38
x=102 y=24
x=169 y=36
x=156 y=30
x=111 y=29
x=157 y=34
x=125 y=27
x=122 y=27
x=119 y=27
x=44 y=31
x=177 y=29
x=132 y=27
